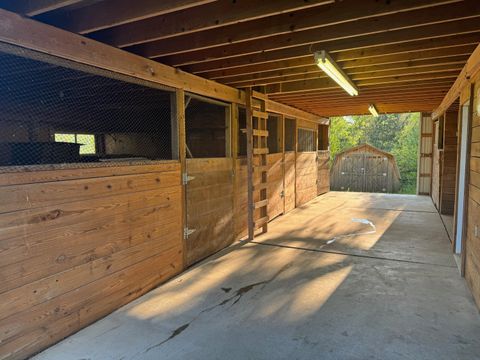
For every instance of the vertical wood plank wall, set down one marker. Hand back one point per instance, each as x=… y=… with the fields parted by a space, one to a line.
x=449 y=163
x=77 y=244
x=209 y=207
x=472 y=241
x=323 y=171
x=437 y=156
x=425 y=155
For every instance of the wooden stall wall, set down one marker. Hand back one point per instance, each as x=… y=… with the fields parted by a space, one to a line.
x=306 y=170
x=323 y=174
x=437 y=155
x=275 y=189
x=79 y=243
x=424 y=173
x=472 y=241
x=290 y=180
x=449 y=163
x=209 y=207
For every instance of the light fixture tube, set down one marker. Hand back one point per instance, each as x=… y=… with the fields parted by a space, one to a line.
x=326 y=63
x=373 y=110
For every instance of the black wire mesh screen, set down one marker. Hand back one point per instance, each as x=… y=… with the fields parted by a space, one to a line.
x=242 y=134
x=54 y=111
x=306 y=140
x=289 y=134
x=207 y=128
x=274 y=140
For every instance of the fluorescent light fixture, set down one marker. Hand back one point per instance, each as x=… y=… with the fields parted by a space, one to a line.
x=373 y=110
x=326 y=63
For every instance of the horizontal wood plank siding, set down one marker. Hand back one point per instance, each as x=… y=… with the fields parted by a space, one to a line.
x=472 y=243
x=77 y=244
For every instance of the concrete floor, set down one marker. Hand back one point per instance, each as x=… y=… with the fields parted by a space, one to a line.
x=306 y=290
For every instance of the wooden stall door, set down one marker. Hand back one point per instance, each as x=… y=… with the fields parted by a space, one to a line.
x=323 y=175
x=209 y=207
x=289 y=190
x=275 y=190
x=376 y=174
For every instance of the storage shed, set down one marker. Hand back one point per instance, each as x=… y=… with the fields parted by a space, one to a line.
x=365 y=168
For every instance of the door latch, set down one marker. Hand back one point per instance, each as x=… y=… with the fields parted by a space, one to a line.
x=186 y=178
x=187 y=232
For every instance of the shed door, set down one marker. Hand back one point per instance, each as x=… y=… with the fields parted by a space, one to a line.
x=352 y=172
x=376 y=173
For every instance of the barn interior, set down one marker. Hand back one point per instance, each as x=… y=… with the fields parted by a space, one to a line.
x=165 y=180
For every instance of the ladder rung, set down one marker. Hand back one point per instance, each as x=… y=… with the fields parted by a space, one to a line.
x=260 y=114
x=259 y=187
x=260 y=204
x=257 y=132
x=260 y=168
x=260 y=222
x=260 y=151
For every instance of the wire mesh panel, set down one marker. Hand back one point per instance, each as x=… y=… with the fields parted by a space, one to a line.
x=56 y=111
x=306 y=140
x=289 y=134
x=207 y=128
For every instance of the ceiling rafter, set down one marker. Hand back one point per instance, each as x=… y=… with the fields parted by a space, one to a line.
x=35 y=7
x=353 y=69
x=415 y=51
x=214 y=15
x=343 y=12
x=372 y=42
x=416 y=21
x=110 y=13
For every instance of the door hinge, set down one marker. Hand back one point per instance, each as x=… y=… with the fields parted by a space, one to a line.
x=187 y=232
x=186 y=178
x=282 y=193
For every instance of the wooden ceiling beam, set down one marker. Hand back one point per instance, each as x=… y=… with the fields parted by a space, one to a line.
x=314 y=71
x=469 y=71
x=364 y=93
x=354 y=76
x=384 y=108
x=387 y=95
x=381 y=87
x=327 y=83
x=372 y=42
x=35 y=7
x=110 y=13
x=392 y=98
x=385 y=25
x=338 y=13
x=217 y=14
x=419 y=54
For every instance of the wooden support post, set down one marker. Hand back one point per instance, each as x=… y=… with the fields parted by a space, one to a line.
x=249 y=120
x=178 y=126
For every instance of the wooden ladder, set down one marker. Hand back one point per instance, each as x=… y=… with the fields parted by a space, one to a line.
x=257 y=150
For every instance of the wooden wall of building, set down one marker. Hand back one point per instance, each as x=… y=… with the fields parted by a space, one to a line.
x=472 y=241
x=77 y=244
x=425 y=155
x=449 y=163
x=209 y=207
x=437 y=156
x=323 y=171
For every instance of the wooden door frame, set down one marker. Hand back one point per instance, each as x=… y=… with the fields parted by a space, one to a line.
x=470 y=101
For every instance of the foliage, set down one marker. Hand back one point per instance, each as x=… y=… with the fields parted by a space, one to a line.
x=394 y=133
